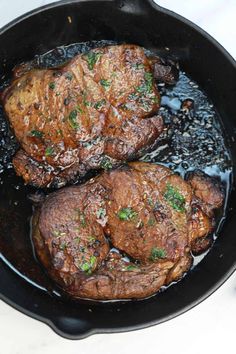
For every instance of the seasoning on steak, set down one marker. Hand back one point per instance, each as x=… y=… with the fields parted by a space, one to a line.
x=145 y=211
x=97 y=110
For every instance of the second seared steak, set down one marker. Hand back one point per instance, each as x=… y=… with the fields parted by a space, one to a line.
x=145 y=211
x=97 y=110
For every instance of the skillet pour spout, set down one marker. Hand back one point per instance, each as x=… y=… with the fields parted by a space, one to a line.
x=144 y=23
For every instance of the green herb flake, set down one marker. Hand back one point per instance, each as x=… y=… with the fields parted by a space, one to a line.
x=82 y=249
x=72 y=119
x=105 y=83
x=91 y=239
x=145 y=105
x=113 y=74
x=93 y=260
x=87 y=103
x=101 y=213
x=154 y=99
x=52 y=85
x=106 y=164
x=59 y=132
x=79 y=109
x=73 y=114
x=138 y=66
x=87 y=267
x=133 y=96
x=92 y=58
x=157 y=253
x=174 y=198
x=49 y=151
x=131 y=267
x=151 y=222
x=150 y=202
x=82 y=219
x=62 y=246
x=126 y=214
x=100 y=104
x=36 y=134
x=146 y=87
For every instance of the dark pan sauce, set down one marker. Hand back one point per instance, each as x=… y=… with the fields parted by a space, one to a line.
x=193 y=139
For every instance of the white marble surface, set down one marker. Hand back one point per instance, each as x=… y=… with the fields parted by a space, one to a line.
x=209 y=327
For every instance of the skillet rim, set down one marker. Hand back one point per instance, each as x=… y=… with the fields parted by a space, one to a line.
x=144 y=324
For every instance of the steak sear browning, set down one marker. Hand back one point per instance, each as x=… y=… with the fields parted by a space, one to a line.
x=153 y=218
x=94 y=112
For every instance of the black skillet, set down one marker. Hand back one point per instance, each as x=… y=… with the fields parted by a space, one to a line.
x=144 y=23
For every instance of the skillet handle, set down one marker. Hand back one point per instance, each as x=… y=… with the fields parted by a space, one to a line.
x=137 y=6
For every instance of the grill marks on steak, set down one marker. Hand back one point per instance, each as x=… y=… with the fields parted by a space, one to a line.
x=67 y=120
x=145 y=210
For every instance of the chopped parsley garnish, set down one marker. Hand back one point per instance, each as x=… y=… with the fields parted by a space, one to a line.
x=101 y=213
x=82 y=249
x=106 y=163
x=151 y=222
x=133 y=96
x=127 y=214
x=146 y=106
x=72 y=119
x=138 y=66
x=150 y=202
x=87 y=267
x=79 y=109
x=62 y=246
x=157 y=253
x=49 y=151
x=73 y=114
x=91 y=239
x=174 y=198
x=59 y=132
x=92 y=58
x=146 y=87
x=99 y=104
x=82 y=219
x=154 y=99
x=105 y=83
x=131 y=267
x=52 y=85
x=86 y=103
x=36 y=133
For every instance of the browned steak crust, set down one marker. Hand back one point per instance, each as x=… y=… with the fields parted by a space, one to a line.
x=142 y=209
x=98 y=109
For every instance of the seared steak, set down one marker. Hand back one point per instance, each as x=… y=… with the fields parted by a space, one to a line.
x=145 y=211
x=95 y=111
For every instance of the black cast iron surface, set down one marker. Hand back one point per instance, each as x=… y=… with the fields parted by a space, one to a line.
x=22 y=281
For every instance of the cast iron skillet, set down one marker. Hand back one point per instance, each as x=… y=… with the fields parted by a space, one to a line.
x=144 y=23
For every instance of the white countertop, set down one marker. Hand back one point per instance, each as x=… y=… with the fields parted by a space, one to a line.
x=207 y=328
